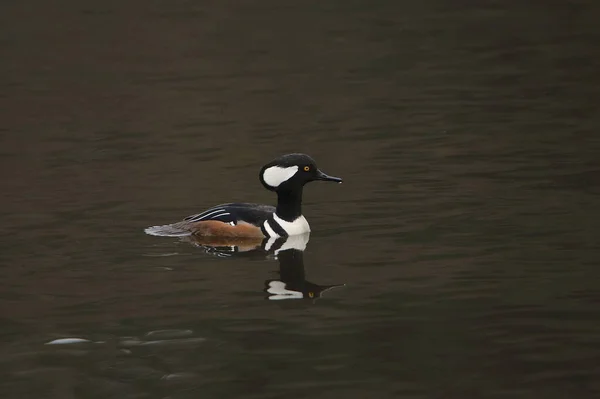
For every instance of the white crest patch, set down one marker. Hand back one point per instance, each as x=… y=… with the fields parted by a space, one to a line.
x=275 y=175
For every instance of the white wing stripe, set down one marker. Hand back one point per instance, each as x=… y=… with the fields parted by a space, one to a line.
x=205 y=214
x=208 y=212
x=219 y=215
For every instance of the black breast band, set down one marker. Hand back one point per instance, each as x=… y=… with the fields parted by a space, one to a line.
x=275 y=227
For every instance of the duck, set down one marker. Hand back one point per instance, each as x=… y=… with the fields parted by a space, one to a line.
x=286 y=176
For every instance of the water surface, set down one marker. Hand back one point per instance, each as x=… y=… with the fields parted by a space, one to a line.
x=465 y=231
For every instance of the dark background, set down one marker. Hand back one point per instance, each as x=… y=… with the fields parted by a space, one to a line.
x=466 y=230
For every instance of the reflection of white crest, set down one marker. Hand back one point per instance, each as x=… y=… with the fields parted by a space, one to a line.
x=275 y=175
x=292 y=242
x=278 y=291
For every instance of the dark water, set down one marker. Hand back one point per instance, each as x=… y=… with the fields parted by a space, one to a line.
x=466 y=232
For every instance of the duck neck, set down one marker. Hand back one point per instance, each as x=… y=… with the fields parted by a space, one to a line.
x=289 y=204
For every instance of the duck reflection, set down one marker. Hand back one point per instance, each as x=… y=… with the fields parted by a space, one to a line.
x=289 y=252
x=225 y=247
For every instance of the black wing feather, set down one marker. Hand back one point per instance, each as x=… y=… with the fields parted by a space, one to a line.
x=234 y=213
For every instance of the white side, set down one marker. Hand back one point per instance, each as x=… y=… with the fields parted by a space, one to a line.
x=298 y=226
x=275 y=175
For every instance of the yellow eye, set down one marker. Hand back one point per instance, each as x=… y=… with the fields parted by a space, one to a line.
x=306 y=168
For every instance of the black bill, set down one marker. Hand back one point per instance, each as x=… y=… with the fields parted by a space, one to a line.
x=323 y=176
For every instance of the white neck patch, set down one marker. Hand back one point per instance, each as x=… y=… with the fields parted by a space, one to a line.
x=275 y=175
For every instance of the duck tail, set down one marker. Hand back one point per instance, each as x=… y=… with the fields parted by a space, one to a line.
x=168 y=230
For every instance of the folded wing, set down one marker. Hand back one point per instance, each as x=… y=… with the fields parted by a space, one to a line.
x=234 y=219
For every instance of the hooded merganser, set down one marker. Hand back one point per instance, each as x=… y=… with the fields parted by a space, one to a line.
x=286 y=176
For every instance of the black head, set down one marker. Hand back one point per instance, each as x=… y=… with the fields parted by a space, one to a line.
x=292 y=171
